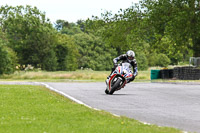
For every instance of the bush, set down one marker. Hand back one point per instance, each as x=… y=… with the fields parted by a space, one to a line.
x=142 y=61
x=50 y=62
x=153 y=59
x=94 y=53
x=8 y=59
x=67 y=53
x=163 y=60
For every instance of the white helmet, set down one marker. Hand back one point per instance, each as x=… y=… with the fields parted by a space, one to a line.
x=130 y=55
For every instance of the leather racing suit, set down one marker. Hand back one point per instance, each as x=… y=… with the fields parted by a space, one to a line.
x=124 y=59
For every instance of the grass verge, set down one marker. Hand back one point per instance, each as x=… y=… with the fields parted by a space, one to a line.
x=35 y=109
x=79 y=75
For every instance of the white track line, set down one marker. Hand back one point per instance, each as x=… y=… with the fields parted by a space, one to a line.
x=80 y=102
x=71 y=98
x=68 y=96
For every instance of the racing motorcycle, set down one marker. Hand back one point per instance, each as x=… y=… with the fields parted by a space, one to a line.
x=119 y=77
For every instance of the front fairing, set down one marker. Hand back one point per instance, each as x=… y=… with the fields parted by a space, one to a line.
x=125 y=70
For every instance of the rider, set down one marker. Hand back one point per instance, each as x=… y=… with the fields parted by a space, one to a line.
x=130 y=58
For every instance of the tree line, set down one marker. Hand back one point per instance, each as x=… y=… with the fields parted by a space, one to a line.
x=27 y=37
x=161 y=32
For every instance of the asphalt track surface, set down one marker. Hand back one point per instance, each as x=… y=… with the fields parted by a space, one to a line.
x=165 y=104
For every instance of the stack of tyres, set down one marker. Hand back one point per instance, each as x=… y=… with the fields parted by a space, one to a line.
x=171 y=73
x=186 y=73
x=176 y=72
x=196 y=74
x=166 y=73
x=182 y=73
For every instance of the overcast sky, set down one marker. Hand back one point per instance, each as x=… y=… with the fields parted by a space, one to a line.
x=73 y=10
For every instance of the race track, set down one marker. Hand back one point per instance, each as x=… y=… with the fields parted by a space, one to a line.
x=164 y=104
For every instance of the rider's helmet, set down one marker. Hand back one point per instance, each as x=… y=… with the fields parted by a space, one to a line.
x=130 y=55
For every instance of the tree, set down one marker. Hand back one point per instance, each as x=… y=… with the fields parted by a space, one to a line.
x=123 y=31
x=94 y=53
x=81 y=24
x=178 y=19
x=120 y=29
x=30 y=35
x=8 y=57
x=163 y=60
x=67 y=28
x=60 y=24
x=67 y=53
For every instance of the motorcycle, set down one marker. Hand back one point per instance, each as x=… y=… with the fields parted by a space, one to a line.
x=119 y=78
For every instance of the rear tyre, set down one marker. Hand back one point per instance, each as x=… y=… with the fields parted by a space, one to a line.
x=115 y=86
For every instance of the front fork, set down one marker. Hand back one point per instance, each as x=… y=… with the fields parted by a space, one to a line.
x=114 y=78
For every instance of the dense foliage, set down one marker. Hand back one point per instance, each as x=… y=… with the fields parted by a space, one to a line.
x=93 y=52
x=34 y=39
x=7 y=58
x=66 y=52
x=161 y=32
x=153 y=28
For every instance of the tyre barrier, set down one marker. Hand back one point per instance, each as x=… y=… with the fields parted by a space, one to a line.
x=155 y=74
x=182 y=73
x=186 y=73
x=166 y=73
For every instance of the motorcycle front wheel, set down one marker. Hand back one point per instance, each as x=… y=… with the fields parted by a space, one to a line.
x=115 y=86
x=106 y=91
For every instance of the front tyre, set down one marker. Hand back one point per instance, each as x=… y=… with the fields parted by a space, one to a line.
x=106 y=91
x=115 y=86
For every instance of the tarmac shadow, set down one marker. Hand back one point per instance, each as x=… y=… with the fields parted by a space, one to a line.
x=118 y=94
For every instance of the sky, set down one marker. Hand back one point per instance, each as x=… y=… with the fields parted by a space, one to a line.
x=72 y=10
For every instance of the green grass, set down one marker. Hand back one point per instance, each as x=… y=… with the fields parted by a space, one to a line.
x=35 y=109
x=80 y=75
